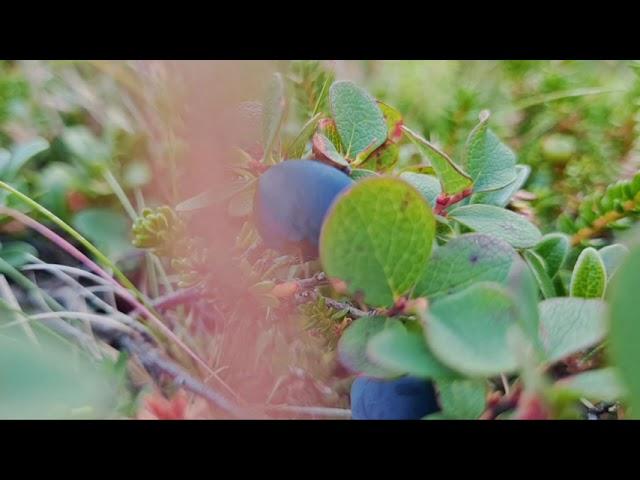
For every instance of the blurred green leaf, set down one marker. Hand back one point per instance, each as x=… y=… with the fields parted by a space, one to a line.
x=468 y=330
x=554 y=249
x=462 y=399
x=359 y=174
x=625 y=327
x=352 y=347
x=21 y=155
x=405 y=351
x=52 y=382
x=136 y=174
x=537 y=266
x=17 y=253
x=570 y=325
x=603 y=385
x=274 y=111
x=613 y=257
x=298 y=145
x=106 y=229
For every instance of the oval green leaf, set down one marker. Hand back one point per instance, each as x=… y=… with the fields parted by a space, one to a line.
x=589 y=276
x=462 y=399
x=463 y=261
x=428 y=185
x=377 y=238
x=358 y=118
x=403 y=350
x=452 y=177
x=553 y=248
x=537 y=266
x=570 y=325
x=468 y=331
x=502 y=196
x=603 y=385
x=490 y=162
x=498 y=222
x=352 y=347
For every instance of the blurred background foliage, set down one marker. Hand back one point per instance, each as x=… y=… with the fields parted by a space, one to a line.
x=574 y=122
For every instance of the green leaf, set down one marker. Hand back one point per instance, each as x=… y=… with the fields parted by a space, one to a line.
x=405 y=351
x=453 y=179
x=428 y=185
x=328 y=128
x=394 y=121
x=85 y=146
x=463 y=261
x=589 y=276
x=275 y=106
x=106 y=229
x=570 y=325
x=22 y=154
x=55 y=181
x=490 y=162
x=17 y=254
x=216 y=195
x=554 y=249
x=136 y=174
x=358 y=118
x=625 y=328
x=437 y=416
x=359 y=174
x=468 y=331
x=462 y=399
x=298 y=145
x=603 y=385
x=498 y=222
x=383 y=158
x=376 y=238
x=521 y=286
x=537 y=266
x=326 y=152
x=52 y=382
x=502 y=196
x=352 y=347
x=612 y=256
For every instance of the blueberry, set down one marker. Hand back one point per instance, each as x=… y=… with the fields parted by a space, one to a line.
x=292 y=200
x=406 y=398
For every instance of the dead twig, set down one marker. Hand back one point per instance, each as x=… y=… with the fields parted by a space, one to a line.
x=160 y=367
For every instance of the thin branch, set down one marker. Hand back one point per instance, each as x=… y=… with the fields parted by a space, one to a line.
x=499 y=405
x=172 y=300
x=122 y=291
x=158 y=366
x=312 y=411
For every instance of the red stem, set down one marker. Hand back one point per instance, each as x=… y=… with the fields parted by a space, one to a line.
x=444 y=201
